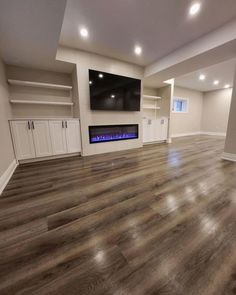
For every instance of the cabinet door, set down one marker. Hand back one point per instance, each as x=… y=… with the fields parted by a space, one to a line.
x=23 y=140
x=42 y=140
x=73 y=136
x=156 y=128
x=146 y=131
x=58 y=137
x=164 y=128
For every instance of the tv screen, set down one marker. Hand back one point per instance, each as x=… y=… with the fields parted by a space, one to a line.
x=113 y=92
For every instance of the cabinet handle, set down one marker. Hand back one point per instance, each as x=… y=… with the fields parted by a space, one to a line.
x=32 y=123
x=62 y=122
x=28 y=125
x=66 y=123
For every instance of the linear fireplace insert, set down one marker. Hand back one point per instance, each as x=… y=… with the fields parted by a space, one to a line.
x=105 y=133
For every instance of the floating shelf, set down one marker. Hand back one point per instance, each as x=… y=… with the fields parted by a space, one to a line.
x=151 y=107
x=39 y=84
x=151 y=97
x=41 y=102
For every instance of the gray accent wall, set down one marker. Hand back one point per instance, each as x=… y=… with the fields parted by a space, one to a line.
x=215 y=111
x=190 y=122
x=208 y=112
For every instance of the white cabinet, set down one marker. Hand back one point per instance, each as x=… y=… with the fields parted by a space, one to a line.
x=155 y=129
x=42 y=141
x=73 y=136
x=43 y=138
x=58 y=137
x=65 y=136
x=23 y=139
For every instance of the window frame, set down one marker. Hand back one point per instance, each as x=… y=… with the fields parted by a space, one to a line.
x=181 y=99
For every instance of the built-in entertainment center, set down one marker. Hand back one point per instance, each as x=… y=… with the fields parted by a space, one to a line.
x=109 y=92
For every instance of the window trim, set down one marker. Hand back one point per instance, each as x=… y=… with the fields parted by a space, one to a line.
x=180 y=98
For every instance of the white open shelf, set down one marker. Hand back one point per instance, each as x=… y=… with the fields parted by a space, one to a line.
x=39 y=84
x=151 y=97
x=59 y=103
x=151 y=107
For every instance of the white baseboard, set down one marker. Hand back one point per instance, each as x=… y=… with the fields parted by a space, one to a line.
x=229 y=157
x=154 y=142
x=185 y=134
x=213 y=133
x=7 y=175
x=199 y=133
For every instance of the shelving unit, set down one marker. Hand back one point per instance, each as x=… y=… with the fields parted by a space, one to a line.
x=30 y=98
x=18 y=101
x=151 y=107
x=150 y=102
x=152 y=97
x=39 y=84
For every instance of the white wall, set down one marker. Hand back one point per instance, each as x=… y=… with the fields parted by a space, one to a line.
x=215 y=111
x=6 y=149
x=190 y=122
x=85 y=61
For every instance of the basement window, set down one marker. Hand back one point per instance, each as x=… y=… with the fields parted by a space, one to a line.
x=180 y=105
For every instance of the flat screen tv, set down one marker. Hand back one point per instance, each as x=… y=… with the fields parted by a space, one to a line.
x=113 y=92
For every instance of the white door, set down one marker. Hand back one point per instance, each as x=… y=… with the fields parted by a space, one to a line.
x=73 y=136
x=58 y=137
x=42 y=140
x=23 y=139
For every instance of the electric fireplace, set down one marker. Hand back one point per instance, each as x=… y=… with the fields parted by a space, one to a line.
x=105 y=133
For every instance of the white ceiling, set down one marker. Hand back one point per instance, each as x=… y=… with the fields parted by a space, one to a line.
x=224 y=72
x=30 y=31
x=159 y=26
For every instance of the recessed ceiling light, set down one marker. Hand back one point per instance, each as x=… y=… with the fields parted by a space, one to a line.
x=227 y=85
x=100 y=75
x=137 y=50
x=90 y=82
x=194 y=8
x=216 y=82
x=202 y=77
x=84 y=33
x=113 y=96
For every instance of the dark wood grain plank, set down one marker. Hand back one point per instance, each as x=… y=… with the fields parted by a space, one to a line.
x=155 y=220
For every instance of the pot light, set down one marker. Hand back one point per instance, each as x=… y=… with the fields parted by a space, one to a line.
x=84 y=33
x=227 y=86
x=194 y=8
x=216 y=82
x=137 y=50
x=90 y=82
x=100 y=75
x=202 y=77
x=113 y=96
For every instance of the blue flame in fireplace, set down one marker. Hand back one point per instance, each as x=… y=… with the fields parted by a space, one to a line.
x=113 y=136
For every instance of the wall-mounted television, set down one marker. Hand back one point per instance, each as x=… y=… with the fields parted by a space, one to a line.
x=113 y=92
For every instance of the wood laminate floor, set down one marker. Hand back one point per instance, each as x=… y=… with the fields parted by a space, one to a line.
x=155 y=220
